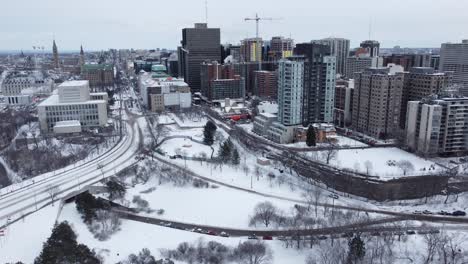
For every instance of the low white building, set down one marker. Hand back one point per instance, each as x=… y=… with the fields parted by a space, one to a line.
x=262 y=123
x=72 y=101
x=163 y=92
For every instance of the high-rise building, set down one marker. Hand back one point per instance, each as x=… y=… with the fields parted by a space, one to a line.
x=454 y=57
x=247 y=71
x=435 y=62
x=281 y=47
x=344 y=92
x=266 y=84
x=290 y=91
x=360 y=63
x=377 y=101
x=56 y=56
x=319 y=83
x=421 y=82
x=251 y=50
x=198 y=44
x=339 y=47
x=372 y=47
x=408 y=61
x=438 y=126
x=220 y=82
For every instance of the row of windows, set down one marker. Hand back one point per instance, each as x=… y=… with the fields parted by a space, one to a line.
x=71 y=107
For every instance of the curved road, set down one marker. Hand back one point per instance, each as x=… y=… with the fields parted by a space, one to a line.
x=17 y=201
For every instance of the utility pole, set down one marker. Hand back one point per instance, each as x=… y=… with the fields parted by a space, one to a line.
x=257 y=34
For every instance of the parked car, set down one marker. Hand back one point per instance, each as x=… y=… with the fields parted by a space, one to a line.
x=253 y=237
x=224 y=234
x=410 y=232
x=427 y=212
x=444 y=213
x=417 y=212
x=267 y=238
x=322 y=237
x=459 y=213
x=211 y=233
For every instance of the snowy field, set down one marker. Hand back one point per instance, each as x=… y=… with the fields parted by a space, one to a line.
x=355 y=160
x=341 y=142
x=223 y=207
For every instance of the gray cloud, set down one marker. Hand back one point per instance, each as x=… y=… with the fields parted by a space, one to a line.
x=101 y=24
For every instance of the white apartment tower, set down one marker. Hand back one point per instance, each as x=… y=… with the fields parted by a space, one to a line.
x=290 y=91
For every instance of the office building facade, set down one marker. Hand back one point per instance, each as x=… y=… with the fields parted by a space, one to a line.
x=438 y=126
x=266 y=84
x=198 y=45
x=319 y=83
x=339 y=47
x=372 y=47
x=377 y=101
x=454 y=58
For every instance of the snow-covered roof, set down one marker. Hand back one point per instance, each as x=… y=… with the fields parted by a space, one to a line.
x=54 y=100
x=68 y=123
x=74 y=83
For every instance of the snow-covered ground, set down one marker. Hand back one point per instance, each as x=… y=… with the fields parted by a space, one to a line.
x=355 y=160
x=223 y=207
x=342 y=141
x=185 y=121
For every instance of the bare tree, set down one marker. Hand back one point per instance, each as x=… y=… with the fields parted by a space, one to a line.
x=53 y=191
x=432 y=242
x=313 y=195
x=329 y=154
x=264 y=212
x=245 y=169
x=405 y=166
x=250 y=252
x=368 y=165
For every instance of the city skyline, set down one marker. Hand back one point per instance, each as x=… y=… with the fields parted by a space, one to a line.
x=100 y=25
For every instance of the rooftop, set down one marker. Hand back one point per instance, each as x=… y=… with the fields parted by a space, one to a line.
x=54 y=100
x=90 y=67
x=74 y=83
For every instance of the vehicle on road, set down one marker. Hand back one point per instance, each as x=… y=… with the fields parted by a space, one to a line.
x=322 y=237
x=417 y=212
x=411 y=232
x=427 y=212
x=267 y=238
x=444 y=213
x=253 y=237
x=459 y=213
x=224 y=234
x=211 y=233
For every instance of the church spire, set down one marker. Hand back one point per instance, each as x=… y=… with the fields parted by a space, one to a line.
x=82 y=57
x=55 y=53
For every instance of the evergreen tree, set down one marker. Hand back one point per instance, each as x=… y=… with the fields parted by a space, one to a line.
x=225 y=149
x=235 y=157
x=115 y=188
x=357 y=250
x=61 y=247
x=208 y=133
x=311 y=140
x=87 y=205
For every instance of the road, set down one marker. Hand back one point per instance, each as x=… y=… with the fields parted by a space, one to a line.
x=22 y=199
x=372 y=227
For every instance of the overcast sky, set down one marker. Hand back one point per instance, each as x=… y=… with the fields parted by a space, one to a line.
x=103 y=24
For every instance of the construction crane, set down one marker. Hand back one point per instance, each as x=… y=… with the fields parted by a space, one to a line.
x=257 y=22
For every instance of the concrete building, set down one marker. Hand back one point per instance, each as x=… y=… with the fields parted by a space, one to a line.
x=420 y=82
x=262 y=122
x=266 y=84
x=100 y=76
x=408 y=61
x=377 y=101
x=290 y=91
x=251 y=50
x=319 y=83
x=372 y=47
x=162 y=92
x=72 y=102
x=247 y=71
x=454 y=58
x=438 y=126
x=339 y=47
x=360 y=63
x=280 y=47
x=19 y=88
x=220 y=82
x=344 y=93
x=198 y=44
